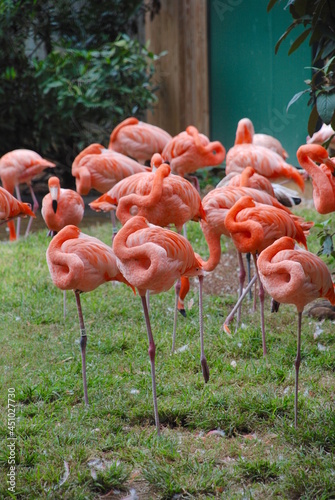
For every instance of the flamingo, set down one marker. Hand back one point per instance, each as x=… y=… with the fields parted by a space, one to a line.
x=98 y=168
x=189 y=151
x=10 y=208
x=292 y=275
x=138 y=139
x=250 y=178
x=81 y=263
x=153 y=258
x=266 y=162
x=245 y=133
x=17 y=167
x=255 y=226
x=159 y=196
x=323 y=176
x=61 y=207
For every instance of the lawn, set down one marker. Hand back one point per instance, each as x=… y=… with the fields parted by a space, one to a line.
x=232 y=438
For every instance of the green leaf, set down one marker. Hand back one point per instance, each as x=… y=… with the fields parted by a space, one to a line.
x=328 y=246
x=325 y=103
x=295 y=98
x=301 y=38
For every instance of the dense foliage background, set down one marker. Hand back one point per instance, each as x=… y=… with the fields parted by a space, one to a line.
x=69 y=72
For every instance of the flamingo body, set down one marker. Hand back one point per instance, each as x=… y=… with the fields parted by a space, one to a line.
x=255 y=226
x=153 y=258
x=323 y=175
x=189 y=151
x=138 y=139
x=102 y=169
x=292 y=275
x=61 y=207
x=21 y=166
x=10 y=208
x=80 y=262
x=322 y=135
x=160 y=197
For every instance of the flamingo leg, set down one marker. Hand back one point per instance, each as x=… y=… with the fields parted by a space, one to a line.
x=261 y=299
x=237 y=305
x=18 y=222
x=203 y=360
x=297 y=365
x=241 y=277
x=113 y=219
x=185 y=231
x=35 y=208
x=152 y=352
x=83 y=342
x=177 y=289
x=248 y=256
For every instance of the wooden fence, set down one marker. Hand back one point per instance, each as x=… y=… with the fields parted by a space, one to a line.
x=180 y=28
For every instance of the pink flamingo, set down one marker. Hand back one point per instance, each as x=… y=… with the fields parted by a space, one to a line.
x=292 y=275
x=266 y=162
x=98 y=168
x=153 y=258
x=138 y=139
x=159 y=196
x=61 y=207
x=255 y=226
x=10 y=208
x=323 y=176
x=189 y=151
x=81 y=263
x=17 y=167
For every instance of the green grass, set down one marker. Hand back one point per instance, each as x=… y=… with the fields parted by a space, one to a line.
x=68 y=451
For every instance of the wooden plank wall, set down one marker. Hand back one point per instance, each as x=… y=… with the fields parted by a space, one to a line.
x=182 y=75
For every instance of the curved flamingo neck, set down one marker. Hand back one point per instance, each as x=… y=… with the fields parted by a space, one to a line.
x=244 y=132
x=126 y=202
x=247 y=234
x=214 y=246
x=247 y=173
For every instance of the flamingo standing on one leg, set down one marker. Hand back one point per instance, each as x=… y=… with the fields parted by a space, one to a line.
x=61 y=207
x=81 y=263
x=292 y=275
x=255 y=226
x=216 y=205
x=138 y=139
x=17 y=167
x=189 y=151
x=266 y=162
x=153 y=258
x=10 y=208
x=323 y=176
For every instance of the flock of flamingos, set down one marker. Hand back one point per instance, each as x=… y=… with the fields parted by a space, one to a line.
x=246 y=206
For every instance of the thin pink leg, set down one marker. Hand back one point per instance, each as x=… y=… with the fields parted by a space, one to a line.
x=18 y=222
x=35 y=208
x=83 y=342
x=297 y=366
x=152 y=352
x=177 y=290
x=113 y=219
x=241 y=277
x=261 y=300
x=237 y=305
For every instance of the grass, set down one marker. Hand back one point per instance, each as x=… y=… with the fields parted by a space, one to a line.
x=65 y=450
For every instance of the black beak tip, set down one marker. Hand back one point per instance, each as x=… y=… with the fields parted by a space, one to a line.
x=54 y=205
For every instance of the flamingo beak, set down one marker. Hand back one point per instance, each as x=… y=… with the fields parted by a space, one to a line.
x=54 y=205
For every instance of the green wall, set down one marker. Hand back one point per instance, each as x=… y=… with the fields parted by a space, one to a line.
x=247 y=78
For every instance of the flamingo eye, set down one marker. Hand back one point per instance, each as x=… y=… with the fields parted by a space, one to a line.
x=214 y=152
